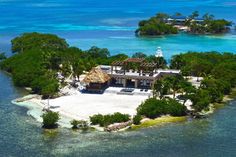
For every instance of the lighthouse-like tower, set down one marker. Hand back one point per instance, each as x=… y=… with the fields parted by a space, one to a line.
x=159 y=52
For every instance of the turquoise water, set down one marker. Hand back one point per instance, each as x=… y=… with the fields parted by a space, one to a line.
x=21 y=135
x=111 y=24
x=173 y=44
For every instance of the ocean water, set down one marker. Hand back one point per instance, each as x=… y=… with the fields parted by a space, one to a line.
x=111 y=24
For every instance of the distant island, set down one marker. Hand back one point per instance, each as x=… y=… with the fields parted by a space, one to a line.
x=95 y=88
x=163 y=24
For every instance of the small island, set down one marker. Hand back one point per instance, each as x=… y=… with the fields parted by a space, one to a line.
x=96 y=89
x=164 y=24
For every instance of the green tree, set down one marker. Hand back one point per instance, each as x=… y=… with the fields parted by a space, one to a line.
x=219 y=26
x=105 y=120
x=159 y=89
x=216 y=88
x=160 y=61
x=187 y=87
x=96 y=52
x=80 y=124
x=75 y=124
x=2 y=56
x=162 y=16
x=142 y=23
x=201 y=100
x=44 y=55
x=39 y=41
x=203 y=64
x=195 y=14
x=50 y=89
x=174 y=83
x=153 y=108
x=177 y=62
x=207 y=17
x=139 y=55
x=200 y=68
x=50 y=119
x=187 y=90
x=137 y=119
x=226 y=71
x=175 y=108
x=156 y=26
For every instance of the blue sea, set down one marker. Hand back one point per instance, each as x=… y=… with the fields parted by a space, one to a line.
x=111 y=24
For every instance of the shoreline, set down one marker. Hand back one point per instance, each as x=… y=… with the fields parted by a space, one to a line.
x=226 y=99
x=158 y=122
x=79 y=110
x=35 y=108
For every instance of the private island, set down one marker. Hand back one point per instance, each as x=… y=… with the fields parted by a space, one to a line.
x=163 y=24
x=94 y=89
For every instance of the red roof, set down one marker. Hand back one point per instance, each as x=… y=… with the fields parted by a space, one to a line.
x=135 y=60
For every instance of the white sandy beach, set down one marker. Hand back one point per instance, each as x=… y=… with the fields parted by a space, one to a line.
x=81 y=106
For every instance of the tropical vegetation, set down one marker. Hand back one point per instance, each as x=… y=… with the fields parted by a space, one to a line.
x=105 y=120
x=171 y=85
x=36 y=64
x=218 y=71
x=39 y=57
x=209 y=25
x=2 y=56
x=155 y=26
x=79 y=124
x=159 y=24
x=160 y=61
x=153 y=108
x=50 y=119
x=137 y=119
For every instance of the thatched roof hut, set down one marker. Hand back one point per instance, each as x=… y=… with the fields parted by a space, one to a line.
x=96 y=75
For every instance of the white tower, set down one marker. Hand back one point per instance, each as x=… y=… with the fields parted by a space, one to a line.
x=159 y=52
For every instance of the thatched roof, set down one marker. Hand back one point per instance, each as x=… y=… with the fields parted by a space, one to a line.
x=96 y=75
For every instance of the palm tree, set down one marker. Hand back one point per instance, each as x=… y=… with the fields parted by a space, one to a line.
x=174 y=83
x=161 y=62
x=194 y=14
x=188 y=89
x=208 y=17
x=177 y=62
x=158 y=89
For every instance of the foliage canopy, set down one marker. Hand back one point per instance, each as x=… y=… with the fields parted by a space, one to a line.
x=50 y=119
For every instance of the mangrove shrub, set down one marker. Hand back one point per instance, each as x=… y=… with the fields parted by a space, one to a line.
x=50 y=119
x=105 y=120
x=153 y=108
